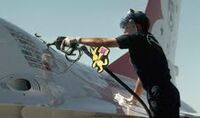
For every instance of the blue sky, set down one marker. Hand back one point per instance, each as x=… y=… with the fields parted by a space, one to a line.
x=100 y=18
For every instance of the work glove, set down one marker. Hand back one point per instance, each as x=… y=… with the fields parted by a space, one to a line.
x=131 y=100
x=67 y=41
x=122 y=100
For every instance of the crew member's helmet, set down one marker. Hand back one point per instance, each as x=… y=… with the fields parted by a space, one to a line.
x=138 y=17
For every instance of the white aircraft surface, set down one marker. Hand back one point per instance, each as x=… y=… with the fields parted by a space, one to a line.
x=31 y=74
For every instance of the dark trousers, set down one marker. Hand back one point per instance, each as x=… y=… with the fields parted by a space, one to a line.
x=164 y=101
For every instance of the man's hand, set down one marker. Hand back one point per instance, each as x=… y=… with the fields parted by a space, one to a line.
x=132 y=100
x=58 y=42
x=66 y=41
x=122 y=100
x=70 y=42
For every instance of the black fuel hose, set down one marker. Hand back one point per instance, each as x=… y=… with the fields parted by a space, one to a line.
x=85 y=50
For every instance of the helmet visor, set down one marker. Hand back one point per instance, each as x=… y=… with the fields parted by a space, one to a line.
x=128 y=19
x=123 y=23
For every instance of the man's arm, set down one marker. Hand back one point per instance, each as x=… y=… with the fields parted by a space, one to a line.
x=97 y=42
x=138 y=87
x=138 y=90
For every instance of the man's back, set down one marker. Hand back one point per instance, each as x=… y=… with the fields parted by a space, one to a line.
x=147 y=57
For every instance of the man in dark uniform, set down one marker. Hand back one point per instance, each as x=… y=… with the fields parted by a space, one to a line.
x=148 y=59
